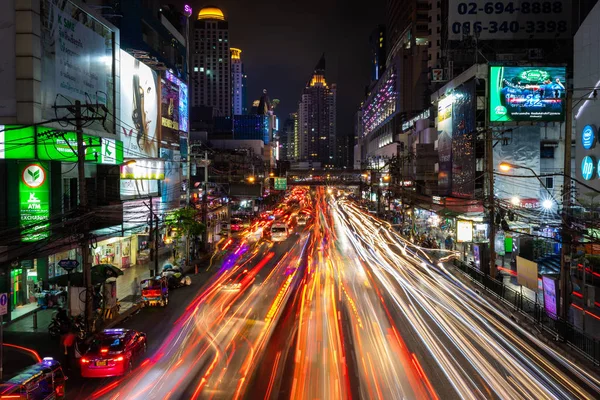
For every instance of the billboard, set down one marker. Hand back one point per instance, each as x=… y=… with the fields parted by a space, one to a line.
x=444 y=127
x=550 y=285
x=76 y=59
x=182 y=103
x=139 y=128
x=509 y=19
x=144 y=169
x=19 y=143
x=527 y=273
x=138 y=188
x=464 y=231
x=463 y=140
x=169 y=104
x=34 y=201
x=527 y=93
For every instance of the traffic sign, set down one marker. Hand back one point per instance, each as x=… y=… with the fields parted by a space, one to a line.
x=280 y=183
x=3 y=304
x=68 y=265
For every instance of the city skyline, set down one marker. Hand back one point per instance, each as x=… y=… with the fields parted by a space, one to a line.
x=280 y=44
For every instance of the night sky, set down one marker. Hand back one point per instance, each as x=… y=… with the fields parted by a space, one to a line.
x=281 y=42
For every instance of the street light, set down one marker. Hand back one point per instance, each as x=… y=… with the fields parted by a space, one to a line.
x=251 y=179
x=506 y=167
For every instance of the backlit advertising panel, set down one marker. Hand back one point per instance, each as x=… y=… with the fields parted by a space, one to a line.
x=169 y=104
x=550 y=289
x=463 y=140
x=76 y=60
x=139 y=125
x=444 y=127
x=34 y=201
x=525 y=93
x=464 y=231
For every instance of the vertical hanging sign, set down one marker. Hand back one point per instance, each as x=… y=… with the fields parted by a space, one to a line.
x=34 y=201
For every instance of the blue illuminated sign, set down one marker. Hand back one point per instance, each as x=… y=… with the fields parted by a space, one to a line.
x=588 y=137
x=587 y=167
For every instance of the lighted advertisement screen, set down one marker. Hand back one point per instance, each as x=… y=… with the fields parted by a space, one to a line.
x=527 y=94
x=169 y=101
x=464 y=231
x=34 y=201
x=138 y=188
x=183 y=107
x=550 y=289
x=444 y=128
x=76 y=60
x=463 y=143
x=139 y=128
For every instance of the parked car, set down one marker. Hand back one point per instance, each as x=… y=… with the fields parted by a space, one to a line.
x=175 y=276
x=112 y=353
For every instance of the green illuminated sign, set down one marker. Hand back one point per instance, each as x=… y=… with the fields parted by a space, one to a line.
x=20 y=144
x=34 y=200
x=280 y=183
x=17 y=143
x=527 y=94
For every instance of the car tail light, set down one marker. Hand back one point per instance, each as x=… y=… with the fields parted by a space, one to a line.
x=84 y=360
x=120 y=358
x=103 y=350
x=60 y=390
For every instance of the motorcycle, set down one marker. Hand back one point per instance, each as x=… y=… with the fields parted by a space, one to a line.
x=61 y=324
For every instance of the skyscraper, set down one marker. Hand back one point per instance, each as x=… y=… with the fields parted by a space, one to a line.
x=378 y=44
x=317 y=121
x=237 y=81
x=211 y=62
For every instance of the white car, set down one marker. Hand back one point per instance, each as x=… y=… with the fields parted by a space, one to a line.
x=279 y=232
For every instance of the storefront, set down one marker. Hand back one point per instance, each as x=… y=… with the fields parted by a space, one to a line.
x=115 y=251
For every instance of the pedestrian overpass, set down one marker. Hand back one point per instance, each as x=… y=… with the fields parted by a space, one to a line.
x=329 y=177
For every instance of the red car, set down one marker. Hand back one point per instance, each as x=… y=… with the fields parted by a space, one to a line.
x=112 y=353
x=236 y=224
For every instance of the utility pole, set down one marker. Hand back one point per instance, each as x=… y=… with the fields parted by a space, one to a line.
x=78 y=121
x=489 y=158
x=153 y=250
x=156 y=236
x=205 y=202
x=565 y=252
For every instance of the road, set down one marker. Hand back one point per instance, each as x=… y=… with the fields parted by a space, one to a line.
x=345 y=308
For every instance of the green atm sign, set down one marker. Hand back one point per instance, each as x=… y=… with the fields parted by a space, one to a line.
x=34 y=201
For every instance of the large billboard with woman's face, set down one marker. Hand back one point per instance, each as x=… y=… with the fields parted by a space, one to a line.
x=139 y=127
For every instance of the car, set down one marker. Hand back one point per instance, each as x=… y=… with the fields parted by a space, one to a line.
x=175 y=276
x=44 y=380
x=112 y=353
x=302 y=219
x=236 y=225
x=279 y=232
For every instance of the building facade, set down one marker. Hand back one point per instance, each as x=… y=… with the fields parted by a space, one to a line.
x=211 y=62
x=317 y=121
x=237 y=82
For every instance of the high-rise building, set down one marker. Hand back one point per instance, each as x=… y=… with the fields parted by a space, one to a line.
x=378 y=44
x=237 y=82
x=211 y=62
x=289 y=138
x=244 y=92
x=317 y=121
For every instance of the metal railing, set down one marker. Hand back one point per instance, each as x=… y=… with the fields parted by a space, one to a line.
x=535 y=312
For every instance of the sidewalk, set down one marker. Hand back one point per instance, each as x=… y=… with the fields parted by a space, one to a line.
x=125 y=294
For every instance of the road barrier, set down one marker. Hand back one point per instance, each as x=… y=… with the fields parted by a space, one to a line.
x=535 y=312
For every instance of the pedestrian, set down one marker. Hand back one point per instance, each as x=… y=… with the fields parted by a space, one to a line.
x=448 y=243
x=135 y=288
x=68 y=343
x=174 y=253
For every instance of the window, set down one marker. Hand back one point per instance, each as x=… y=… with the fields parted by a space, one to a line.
x=550 y=182
x=195 y=69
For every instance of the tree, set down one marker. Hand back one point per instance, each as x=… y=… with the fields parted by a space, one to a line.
x=183 y=222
